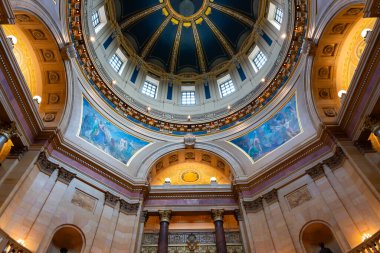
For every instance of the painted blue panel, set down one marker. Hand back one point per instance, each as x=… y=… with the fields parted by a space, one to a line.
x=134 y=75
x=274 y=133
x=241 y=73
x=207 y=90
x=169 y=96
x=267 y=39
x=105 y=136
x=108 y=42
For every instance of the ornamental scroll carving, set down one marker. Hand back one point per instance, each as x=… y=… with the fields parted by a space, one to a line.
x=45 y=165
x=253 y=206
x=110 y=199
x=316 y=172
x=336 y=160
x=129 y=208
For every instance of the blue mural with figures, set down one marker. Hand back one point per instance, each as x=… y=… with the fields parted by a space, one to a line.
x=279 y=129
x=110 y=139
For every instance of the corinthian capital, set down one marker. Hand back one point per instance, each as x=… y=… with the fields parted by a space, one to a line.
x=165 y=215
x=217 y=214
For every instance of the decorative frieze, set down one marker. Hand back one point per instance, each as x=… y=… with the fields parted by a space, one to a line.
x=65 y=176
x=298 y=197
x=217 y=214
x=129 y=208
x=336 y=160
x=316 y=172
x=271 y=196
x=253 y=206
x=45 y=165
x=165 y=215
x=110 y=199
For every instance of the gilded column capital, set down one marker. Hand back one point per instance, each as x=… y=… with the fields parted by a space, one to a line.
x=129 y=208
x=316 y=172
x=45 y=165
x=253 y=206
x=9 y=130
x=65 y=176
x=336 y=160
x=165 y=215
x=271 y=196
x=217 y=214
x=110 y=199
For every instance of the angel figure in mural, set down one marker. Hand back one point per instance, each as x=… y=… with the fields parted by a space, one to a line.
x=254 y=146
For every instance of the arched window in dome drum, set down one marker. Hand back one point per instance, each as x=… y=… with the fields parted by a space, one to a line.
x=95 y=19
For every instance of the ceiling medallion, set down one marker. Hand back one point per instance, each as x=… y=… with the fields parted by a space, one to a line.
x=186 y=10
x=190 y=176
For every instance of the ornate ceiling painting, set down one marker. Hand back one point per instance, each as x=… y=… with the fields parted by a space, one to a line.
x=279 y=129
x=104 y=135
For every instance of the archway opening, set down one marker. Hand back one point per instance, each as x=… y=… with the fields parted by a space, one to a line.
x=66 y=240
x=317 y=235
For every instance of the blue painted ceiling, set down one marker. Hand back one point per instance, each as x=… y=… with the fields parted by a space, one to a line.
x=214 y=32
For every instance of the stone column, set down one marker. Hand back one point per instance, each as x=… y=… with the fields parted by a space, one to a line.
x=217 y=215
x=143 y=219
x=6 y=132
x=163 y=238
x=243 y=233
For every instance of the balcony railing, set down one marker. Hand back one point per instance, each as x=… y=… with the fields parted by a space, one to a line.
x=8 y=245
x=370 y=245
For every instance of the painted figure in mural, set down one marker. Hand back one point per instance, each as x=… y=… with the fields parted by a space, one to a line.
x=279 y=129
x=107 y=137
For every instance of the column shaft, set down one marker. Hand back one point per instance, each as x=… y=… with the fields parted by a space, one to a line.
x=221 y=246
x=163 y=238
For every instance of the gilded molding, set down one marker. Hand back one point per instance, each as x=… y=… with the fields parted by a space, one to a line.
x=316 y=172
x=45 y=165
x=177 y=40
x=165 y=215
x=110 y=199
x=220 y=36
x=336 y=160
x=201 y=57
x=217 y=214
x=129 y=208
x=271 y=196
x=65 y=176
x=253 y=206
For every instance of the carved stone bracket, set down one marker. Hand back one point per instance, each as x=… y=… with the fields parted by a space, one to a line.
x=165 y=215
x=253 y=206
x=65 y=176
x=17 y=152
x=364 y=146
x=110 y=199
x=271 y=196
x=238 y=215
x=128 y=208
x=189 y=141
x=336 y=160
x=45 y=165
x=308 y=46
x=68 y=51
x=144 y=216
x=217 y=214
x=316 y=172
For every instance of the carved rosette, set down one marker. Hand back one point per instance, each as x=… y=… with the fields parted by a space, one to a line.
x=65 y=176
x=336 y=160
x=217 y=214
x=165 y=215
x=253 y=206
x=128 y=208
x=45 y=165
x=17 y=152
x=110 y=199
x=316 y=172
x=271 y=196
x=8 y=130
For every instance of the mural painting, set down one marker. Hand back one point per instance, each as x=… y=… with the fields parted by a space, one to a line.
x=279 y=129
x=110 y=139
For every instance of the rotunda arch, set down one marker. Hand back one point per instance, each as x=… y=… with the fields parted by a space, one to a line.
x=40 y=62
x=336 y=57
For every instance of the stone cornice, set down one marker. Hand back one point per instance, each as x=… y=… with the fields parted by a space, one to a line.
x=316 y=172
x=110 y=199
x=271 y=196
x=65 y=176
x=128 y=208
x=254 y=205
x=45 y=165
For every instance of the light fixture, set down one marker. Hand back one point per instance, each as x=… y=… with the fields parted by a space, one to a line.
x=92 y=38
x=114 y=82
x=213 y=180
x=21 y=241
x=148 y=108
x=188 y=117
x=167 y=180
x=262 y=79
x=37 y=99
x=366 y=236
x=342 y=93
x=283 y=35
x=229 y=107
x=13 y=39
x=365 y=32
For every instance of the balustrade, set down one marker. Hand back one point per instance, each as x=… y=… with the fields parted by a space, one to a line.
x=370 y=245
x=8 y=245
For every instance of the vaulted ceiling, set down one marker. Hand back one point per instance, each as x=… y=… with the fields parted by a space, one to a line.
x=186 y=36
